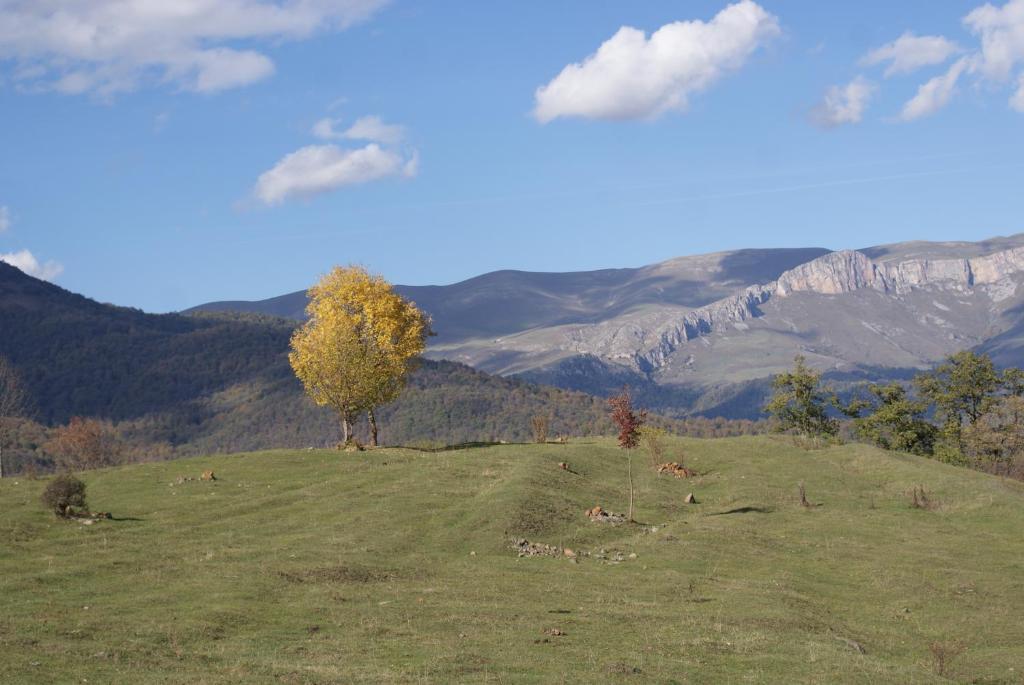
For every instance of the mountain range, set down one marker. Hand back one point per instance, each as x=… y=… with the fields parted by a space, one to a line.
x=704 y=334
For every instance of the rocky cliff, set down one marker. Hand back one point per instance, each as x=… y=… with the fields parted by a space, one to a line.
x=835 y=273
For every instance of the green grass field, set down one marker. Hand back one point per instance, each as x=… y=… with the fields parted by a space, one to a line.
x=396 y=566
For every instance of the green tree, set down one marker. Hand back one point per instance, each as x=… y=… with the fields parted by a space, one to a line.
x=895 y=421
x=995 y=442
x=799 y=403
x=961 y=389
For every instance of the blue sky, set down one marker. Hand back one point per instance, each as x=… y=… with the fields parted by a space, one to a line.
x=152 y=169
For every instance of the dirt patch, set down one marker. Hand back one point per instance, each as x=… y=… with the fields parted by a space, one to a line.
x=340 y=574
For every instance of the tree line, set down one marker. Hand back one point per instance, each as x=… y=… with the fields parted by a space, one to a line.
x=965 y=411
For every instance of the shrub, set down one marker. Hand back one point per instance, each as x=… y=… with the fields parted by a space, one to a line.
x=540 y=425
x=63 y=493
x=652 y=438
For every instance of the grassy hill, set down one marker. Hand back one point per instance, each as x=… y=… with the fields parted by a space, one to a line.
x=396 y=566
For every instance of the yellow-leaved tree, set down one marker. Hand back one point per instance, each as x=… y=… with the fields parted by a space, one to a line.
x=359 y=343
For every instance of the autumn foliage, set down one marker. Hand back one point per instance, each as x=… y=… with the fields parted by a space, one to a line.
x=361 y=340
x=85 y=444
x=628 y=420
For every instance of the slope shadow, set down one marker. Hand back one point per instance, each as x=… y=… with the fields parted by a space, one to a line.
x=459 y=446
x=744 y=510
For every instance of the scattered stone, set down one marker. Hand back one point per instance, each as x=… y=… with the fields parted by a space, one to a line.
x=554 y=632
x=599 y=515
x=208 y=475
x=852 y=644
x=569 y=553
x=632 y=555
x=677 y=470
x=564 y=466
x=690 y=499
x=472 y=554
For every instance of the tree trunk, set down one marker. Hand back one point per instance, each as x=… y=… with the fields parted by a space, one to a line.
x=345 y=430
x=629 y=467
x=373 y=427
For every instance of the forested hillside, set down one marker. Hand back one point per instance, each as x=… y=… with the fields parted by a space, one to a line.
x=187 y=384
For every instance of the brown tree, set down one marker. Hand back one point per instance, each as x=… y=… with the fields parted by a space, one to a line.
x=85 y=444
x=626 y=419
x=540 y=425
x=629 y=423
x=13 y=404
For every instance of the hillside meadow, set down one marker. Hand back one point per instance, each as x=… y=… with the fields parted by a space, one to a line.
x=397 y=565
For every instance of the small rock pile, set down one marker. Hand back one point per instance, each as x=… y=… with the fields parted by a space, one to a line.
x=525 y=548
x=181 y=480
x=677 y=470
x=599 y=515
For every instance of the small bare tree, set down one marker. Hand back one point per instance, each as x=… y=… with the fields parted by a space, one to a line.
x=13 y=404
x=540 y=425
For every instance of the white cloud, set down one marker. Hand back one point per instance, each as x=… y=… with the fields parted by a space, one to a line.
x=1017 y=101
x=5 y=219
x=844 y=104
x=1001 y=30
x=633 y=77
x=935 y=94
x=319 y=168
x=370 y=128
x=109 y=46
x=28 y=263
x=908 y=53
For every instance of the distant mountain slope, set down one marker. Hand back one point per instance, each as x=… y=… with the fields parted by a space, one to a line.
x=217 y=382
x=704 y=333
x=504 y=302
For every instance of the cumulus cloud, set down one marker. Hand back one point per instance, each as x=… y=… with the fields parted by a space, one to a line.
x=317 y=169
x=5 y=219
x=909 y=52
x=109 y=46
x=370 y=128
x=1001 y=30
x=935 y=94
x=844 y=104
x=28 y=263
x=1017 y=101
x=632 y=76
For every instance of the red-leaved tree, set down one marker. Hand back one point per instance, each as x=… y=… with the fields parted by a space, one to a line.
x=629 y=423
x=626 y=419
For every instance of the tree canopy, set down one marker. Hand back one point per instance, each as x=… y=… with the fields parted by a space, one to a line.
x=361 y=340
x=799 y=403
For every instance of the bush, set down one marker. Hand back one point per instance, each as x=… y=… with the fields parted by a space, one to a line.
x=63 y=493
x=652 y=438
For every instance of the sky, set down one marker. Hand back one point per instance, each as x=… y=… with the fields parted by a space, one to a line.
x=162 y=155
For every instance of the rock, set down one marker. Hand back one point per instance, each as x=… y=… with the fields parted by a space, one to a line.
x=208 y=475
x=564 y=466
x=677 y=470
x=690 y=499
x=632 y=555
x=569 y=553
